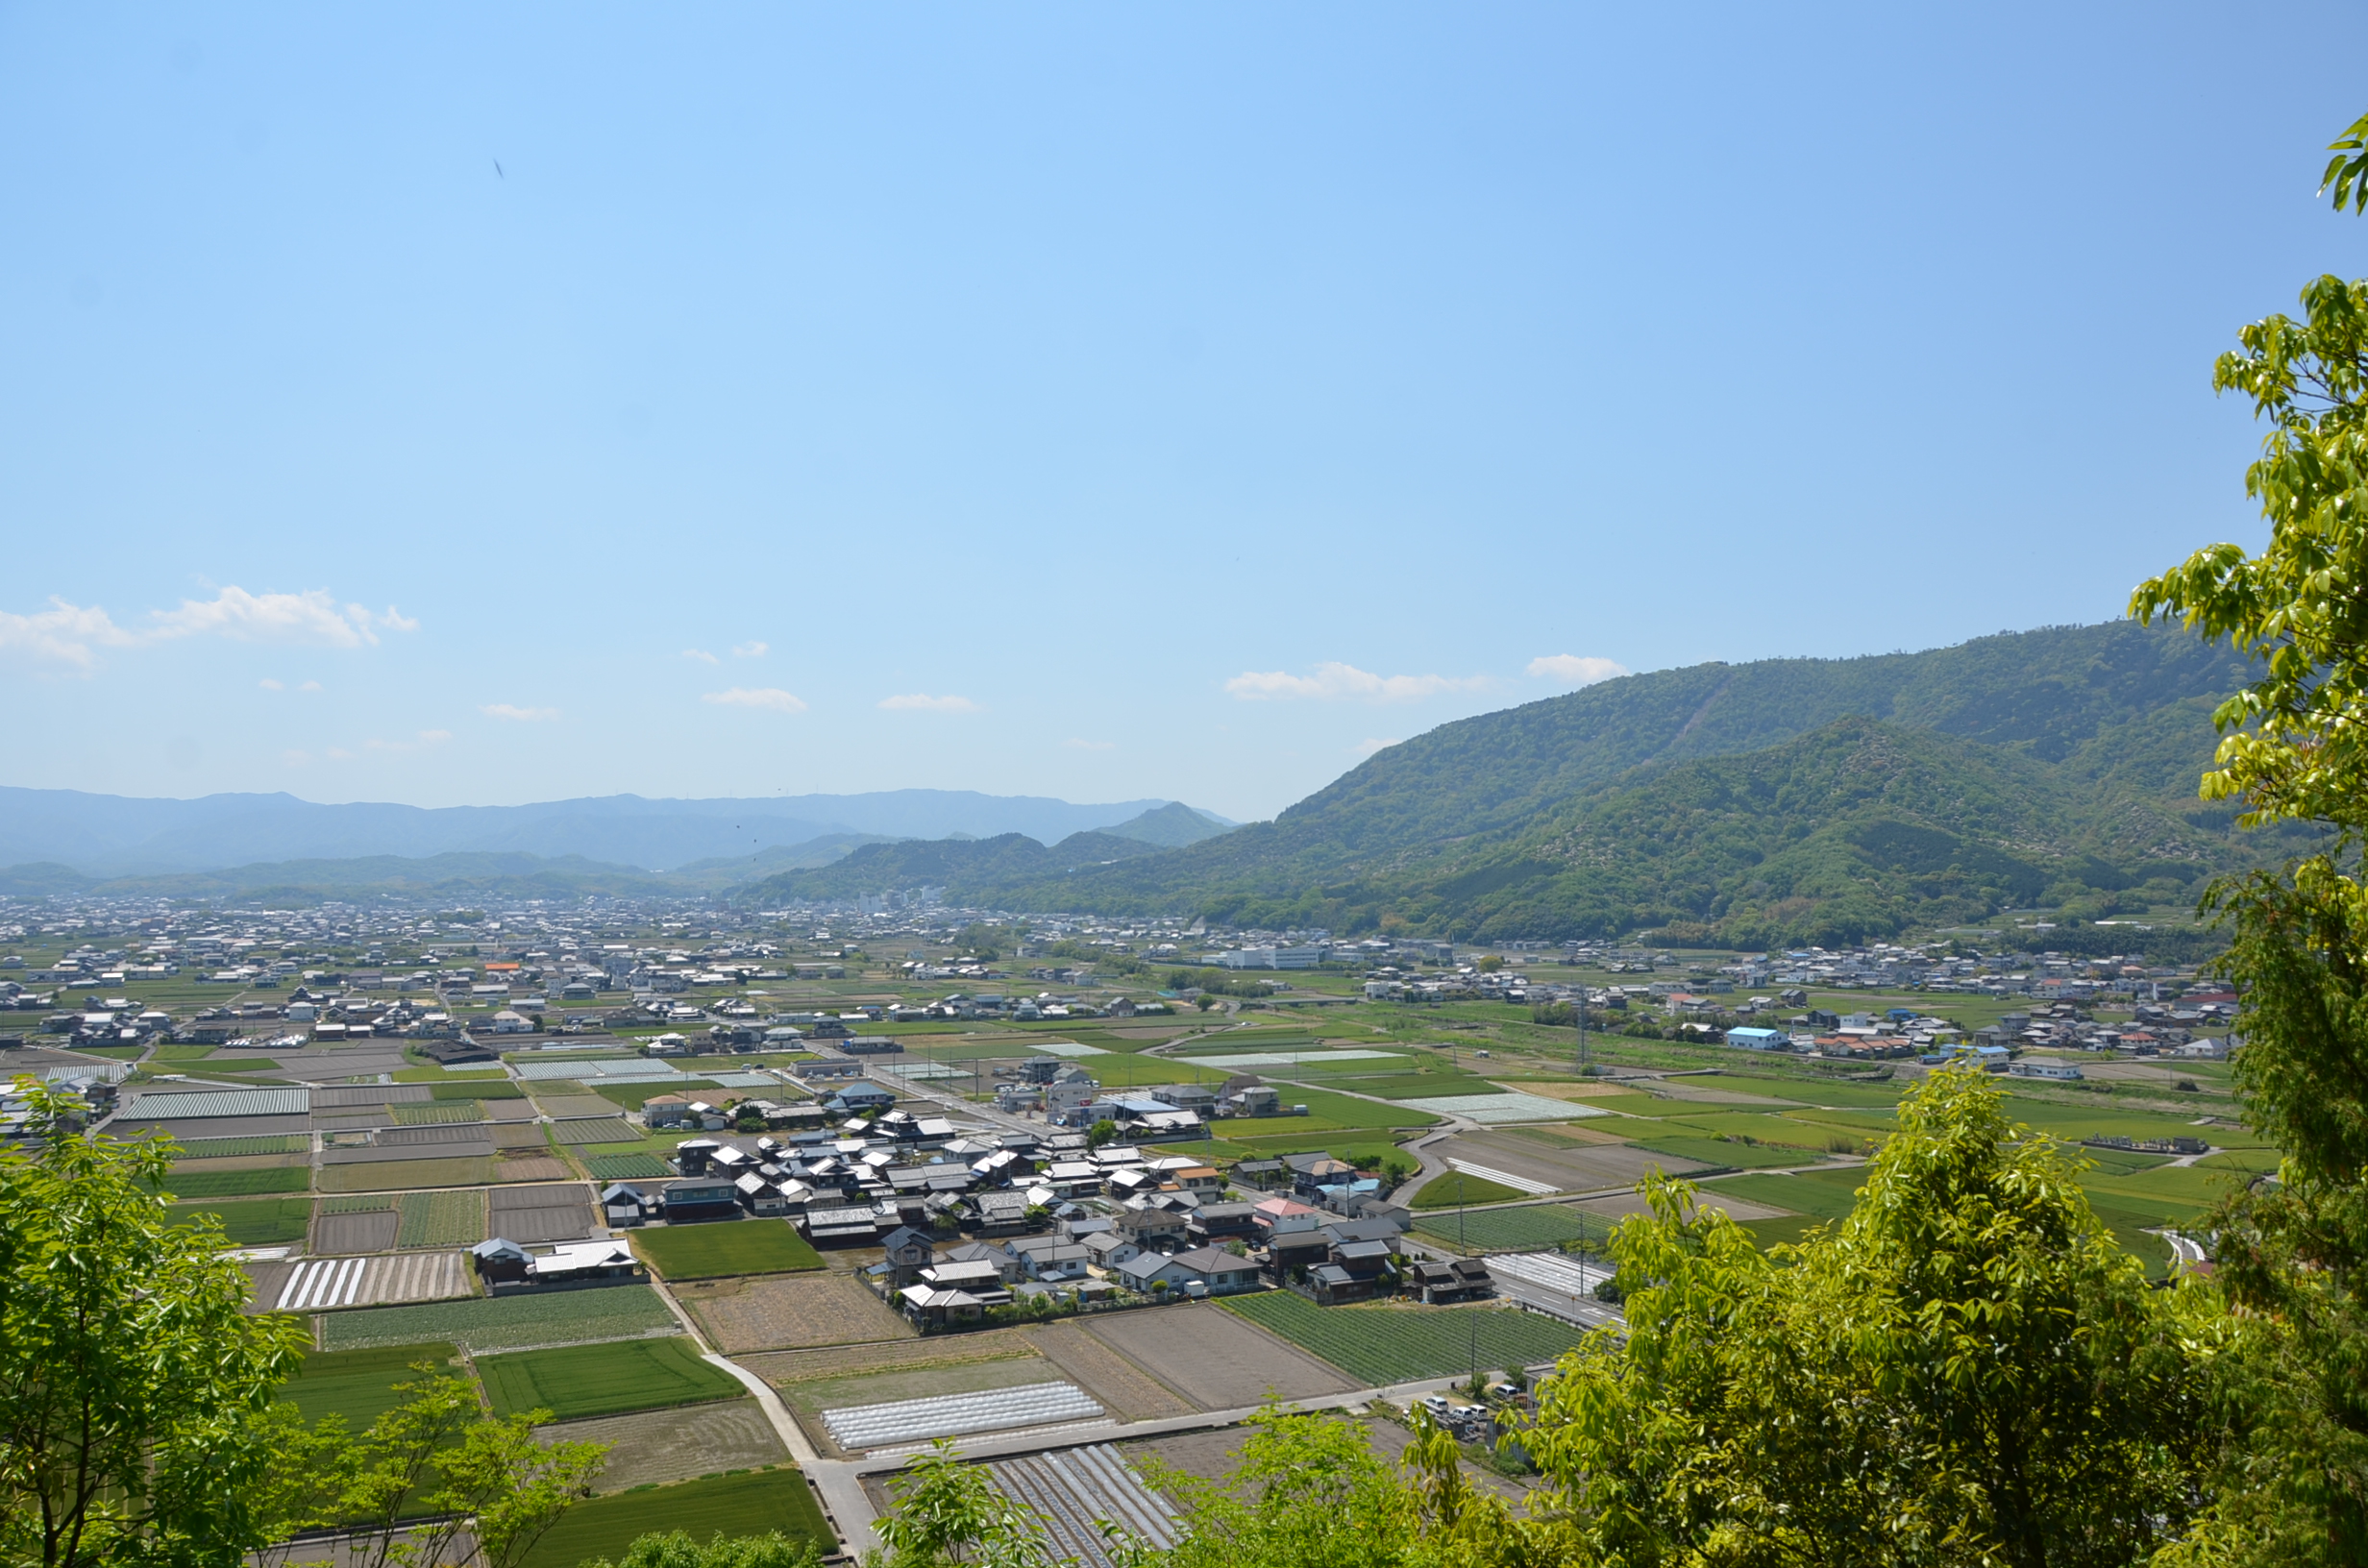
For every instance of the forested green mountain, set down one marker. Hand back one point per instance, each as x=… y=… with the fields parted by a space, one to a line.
x=1788 y=799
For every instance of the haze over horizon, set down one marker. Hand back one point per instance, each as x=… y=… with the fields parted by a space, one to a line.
x=452 y=409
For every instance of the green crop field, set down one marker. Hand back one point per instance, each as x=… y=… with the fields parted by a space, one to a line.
x=594 y=1130
x=1379 y=1345
x=252 y=1222
x=752 y=1503
x=185 y=1183
x=1456 y=1188
x=1516 y=1230
x=623 y=1168
x=438 y=1114
x=583 y=1381
x=496 y=1323
x=634 y=1096
x=359 y=1385
x=1818 y=1194
x=724 y=1247
x=224 y=1148
x=441 y=1219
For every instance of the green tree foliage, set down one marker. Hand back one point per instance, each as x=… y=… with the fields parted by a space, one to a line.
x=678 y=1549
x=436 y=1481
x=1968 y=1369
x=1308 y=1490
x=134 y=1394
x=948 y=1512
x=2293 y=1253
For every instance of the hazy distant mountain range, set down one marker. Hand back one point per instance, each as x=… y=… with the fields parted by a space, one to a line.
x=1779 y=801
x=1784 y=800
x=106 y=836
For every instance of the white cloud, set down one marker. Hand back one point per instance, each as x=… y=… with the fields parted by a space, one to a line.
x=769 y=699
x=1089 y=745
x=922 y=703
x=523 y=716
x=426 y=739
x=309 y=686
x=1336 y=682
x=71 y=634
x=750 y=649
x=701 y=655
x=296 y=759
x=270 y=685
x=310 y=617
x=1367 y=748
x=1575 y=669
x=63 y=635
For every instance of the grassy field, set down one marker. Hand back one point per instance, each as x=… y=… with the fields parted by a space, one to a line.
x=1457 y=1188
x=497 y=1323
x=750 y=1504
x=236 y=1184
x=359 y=1385
x=1380 y=1346
x=581 y=1381
x=1516 y=1230
x=254 y=1222
x=706 y=1252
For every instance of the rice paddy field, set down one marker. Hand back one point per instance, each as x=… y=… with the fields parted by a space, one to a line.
x=1514 y=1230
x=497 y=1323
x=359 y=1385
x=1381 y=1346
x=724 y=1247
x=750 y=1503
x=579 y=1380
x=223 y=1148
x=254 y=1222
x=185 y=1183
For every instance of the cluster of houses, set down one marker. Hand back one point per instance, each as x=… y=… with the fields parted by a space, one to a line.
x=972 y=1222
x=1104 y=1255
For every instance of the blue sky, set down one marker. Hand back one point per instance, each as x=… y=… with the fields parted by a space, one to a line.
x=1085 y=401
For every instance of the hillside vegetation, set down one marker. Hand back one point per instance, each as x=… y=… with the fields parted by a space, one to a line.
x=1784 y=800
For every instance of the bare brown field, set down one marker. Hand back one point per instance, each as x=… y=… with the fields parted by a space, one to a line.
x=1633 y=1203
x=658 y=1446
x=790 y=1313
x=1126 y=1391
x=1608 y=1165
x=355 y=1233
x=401 y=1175
x=518 y=1135
x=788 y=1368
x=530 y=1166
x=1214 y=1358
